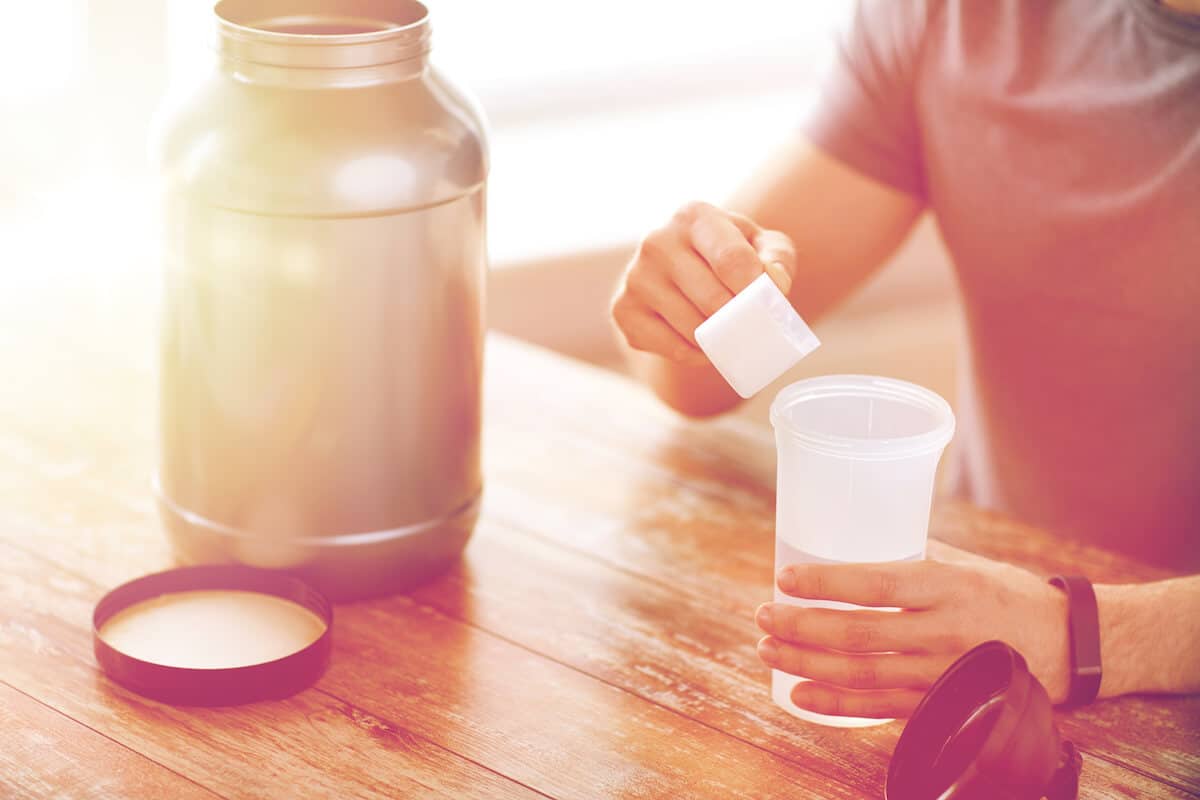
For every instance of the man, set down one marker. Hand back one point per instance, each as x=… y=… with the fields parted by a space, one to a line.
x=1058 y=147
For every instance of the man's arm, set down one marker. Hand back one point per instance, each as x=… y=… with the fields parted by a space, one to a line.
x=870 y=663
x=1150 y=637
x=842 y=224
x=844 y=220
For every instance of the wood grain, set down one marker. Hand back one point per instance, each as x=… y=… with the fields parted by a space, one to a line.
x=647 y=640
x=417 y=681
x=46 y=754
x=543 y=723
x=596 y=641
x=659 y=514
x=325 y=744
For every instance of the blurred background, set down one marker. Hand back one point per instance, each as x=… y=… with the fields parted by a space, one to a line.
x=605 y=117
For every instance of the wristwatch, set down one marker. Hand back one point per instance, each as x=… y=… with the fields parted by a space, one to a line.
x=1083 y=625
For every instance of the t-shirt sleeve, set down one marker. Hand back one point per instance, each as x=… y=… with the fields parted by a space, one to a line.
x=866 y=116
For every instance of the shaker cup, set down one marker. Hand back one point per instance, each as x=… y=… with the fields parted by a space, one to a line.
x=857 y=456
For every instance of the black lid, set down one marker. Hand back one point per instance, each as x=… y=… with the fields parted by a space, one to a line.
x=984 y=731
x=268 y=680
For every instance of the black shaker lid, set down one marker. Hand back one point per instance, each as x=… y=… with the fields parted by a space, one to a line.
x=215 y=686
x=984 y=731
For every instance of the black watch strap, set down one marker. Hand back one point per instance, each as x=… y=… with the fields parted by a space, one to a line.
x=1083 y=624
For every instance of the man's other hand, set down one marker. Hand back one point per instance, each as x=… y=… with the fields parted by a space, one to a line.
x=879 y=663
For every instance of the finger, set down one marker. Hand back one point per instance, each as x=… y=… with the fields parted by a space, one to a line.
x=726 y=250
x=698 y=283
x=747 y=226
x=779 y=276
x=907 y=584
x=645 y=330
x=690 y=212
x=776 y=252
x=667 y=252
x=853 y=670
x=848 y=631
x=665 y=298
x=840 y=702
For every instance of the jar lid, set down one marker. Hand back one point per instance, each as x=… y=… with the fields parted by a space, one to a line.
x=213 y=635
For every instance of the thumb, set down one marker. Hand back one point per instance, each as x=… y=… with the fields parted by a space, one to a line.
x=778 y=256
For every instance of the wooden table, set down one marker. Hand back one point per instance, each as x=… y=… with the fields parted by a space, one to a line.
x=595 y=642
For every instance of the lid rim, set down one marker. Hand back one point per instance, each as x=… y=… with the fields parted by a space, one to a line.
x=226 y=11
x=217 y=686
x=244 y=34
x=882 y=449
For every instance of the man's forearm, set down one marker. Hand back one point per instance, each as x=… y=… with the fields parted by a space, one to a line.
x=1150 y=636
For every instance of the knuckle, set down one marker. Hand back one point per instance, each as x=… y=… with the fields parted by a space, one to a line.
x=886 y=586
x=781 y=247
x=834 y=702
x=812 y=583
x=793 y=627
x=929 y=572
x=863 y=674
x=958 y=592
x=772 y=239
x=617 y=314
x=730 y=259
x=966 y=637
x=977 y=580
x=958 y=644
x=690 y=212
x=679 y=352
x=653 y=247
x=616 y=319
x=798 y=662
x=713 y=299
x=620 y=307
x=637 y=340
x=637 y=282
x=930 y=669
x=635 y=335
x=860 y=636
x=952 y=639
x=819 y=698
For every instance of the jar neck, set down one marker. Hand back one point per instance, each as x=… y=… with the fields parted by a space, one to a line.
x=323 y=43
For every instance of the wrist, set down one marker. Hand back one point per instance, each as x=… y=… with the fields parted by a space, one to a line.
x=1120 y=621
x=1057 y=677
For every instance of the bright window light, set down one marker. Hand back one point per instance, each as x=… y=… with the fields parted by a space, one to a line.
x=541 y=58
x=41 y=45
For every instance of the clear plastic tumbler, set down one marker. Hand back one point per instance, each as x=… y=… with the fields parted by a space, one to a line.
x=857 y=457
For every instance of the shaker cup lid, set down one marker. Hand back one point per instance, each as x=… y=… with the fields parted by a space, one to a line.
x=755 y=337
x=985 y=729
x=213 y=635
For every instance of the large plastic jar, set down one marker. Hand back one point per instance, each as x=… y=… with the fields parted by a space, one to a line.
x=322 y=332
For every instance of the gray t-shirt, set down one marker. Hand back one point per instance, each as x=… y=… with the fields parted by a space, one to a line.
x=1058 y=146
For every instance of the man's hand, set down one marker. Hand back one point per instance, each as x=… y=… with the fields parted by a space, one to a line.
x=877 y=663
x=842 y=223
x=683 y=272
